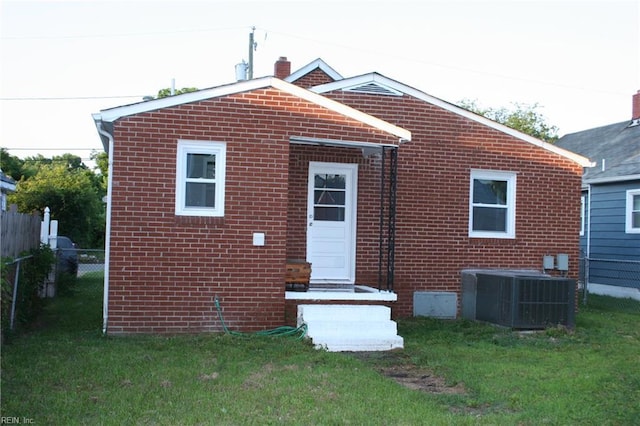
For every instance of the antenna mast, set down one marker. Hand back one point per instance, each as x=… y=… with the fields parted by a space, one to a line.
x=252 y=46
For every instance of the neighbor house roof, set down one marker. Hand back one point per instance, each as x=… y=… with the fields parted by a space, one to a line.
x=614 y=148
x=319 y=64
x=7 y=183
x=377 y=83
x=105 y=117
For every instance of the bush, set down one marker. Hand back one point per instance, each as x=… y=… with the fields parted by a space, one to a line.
x=34 y=269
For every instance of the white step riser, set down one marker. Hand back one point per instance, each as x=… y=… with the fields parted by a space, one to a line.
x=343 y=313
x=354 y=328
x=381 y=344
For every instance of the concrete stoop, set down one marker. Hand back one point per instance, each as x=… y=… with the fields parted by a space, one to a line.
x=350 y=328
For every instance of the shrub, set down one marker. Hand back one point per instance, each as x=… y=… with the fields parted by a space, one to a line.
x=33 y=270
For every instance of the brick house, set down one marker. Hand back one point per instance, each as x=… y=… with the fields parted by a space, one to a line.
x=385 y=190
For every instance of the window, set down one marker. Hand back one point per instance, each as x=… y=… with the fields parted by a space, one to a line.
x=492 y=209
x=582 y=214
x=633 y=211
x=200 y=173
x=329 y=197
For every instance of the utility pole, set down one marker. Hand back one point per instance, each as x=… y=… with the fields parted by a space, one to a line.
x=252 y=46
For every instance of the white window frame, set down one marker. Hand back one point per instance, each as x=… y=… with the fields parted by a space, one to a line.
x=510 y=178
x=583 y=212
x=186 y=147
x=629 y=212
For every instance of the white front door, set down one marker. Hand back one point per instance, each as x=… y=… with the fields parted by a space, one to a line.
x=331 y=222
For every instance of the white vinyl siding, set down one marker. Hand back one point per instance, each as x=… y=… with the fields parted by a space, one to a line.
x=200 y=178
x=492 y=204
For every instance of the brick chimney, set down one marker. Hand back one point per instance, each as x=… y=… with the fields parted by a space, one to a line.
x=636 y=106
x=282 y=68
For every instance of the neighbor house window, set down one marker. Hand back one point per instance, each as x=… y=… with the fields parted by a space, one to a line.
x=633 y=211
x=492 y=210
x=200 y=174
x=582 y=214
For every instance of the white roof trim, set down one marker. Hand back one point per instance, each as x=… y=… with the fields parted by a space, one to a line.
x=318 y=63
x=113 y=114
x=380 y=79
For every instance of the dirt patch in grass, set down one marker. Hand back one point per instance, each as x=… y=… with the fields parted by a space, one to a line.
x=395 y=366
x=419 y=379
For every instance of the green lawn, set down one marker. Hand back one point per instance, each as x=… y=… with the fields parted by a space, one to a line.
x=64 y=372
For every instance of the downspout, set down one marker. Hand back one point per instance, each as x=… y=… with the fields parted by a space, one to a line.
x=587 y=270
x=107 y=242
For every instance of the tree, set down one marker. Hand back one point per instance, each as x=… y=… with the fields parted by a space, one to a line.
x=523 y=117
x=165 y=93
x=10 y=164
x=102 y=165
x=73 y=197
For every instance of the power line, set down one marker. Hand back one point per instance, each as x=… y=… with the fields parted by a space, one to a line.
x=69 y=98
x=48 y=149
x=116 y=35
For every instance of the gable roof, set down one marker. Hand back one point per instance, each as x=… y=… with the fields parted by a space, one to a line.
x=317 y=64
x=614 y=148
x=110 y=115
x=390 y=87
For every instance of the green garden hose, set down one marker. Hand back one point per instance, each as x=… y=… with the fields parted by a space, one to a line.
x=284 y=331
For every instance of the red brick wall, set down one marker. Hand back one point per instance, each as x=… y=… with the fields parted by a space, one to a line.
x=432 y=242
x=314 y=78
x=166 y=271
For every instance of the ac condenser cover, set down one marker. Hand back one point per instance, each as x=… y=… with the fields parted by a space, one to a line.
x=525 y=302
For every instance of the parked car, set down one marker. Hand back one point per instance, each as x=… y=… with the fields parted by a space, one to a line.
x=67 y=255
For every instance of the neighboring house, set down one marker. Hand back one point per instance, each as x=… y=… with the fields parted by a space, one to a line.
x=378 y=185
x=610 y=232
x=7 y=186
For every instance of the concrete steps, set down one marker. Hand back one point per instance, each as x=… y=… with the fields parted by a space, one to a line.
x=350 y=328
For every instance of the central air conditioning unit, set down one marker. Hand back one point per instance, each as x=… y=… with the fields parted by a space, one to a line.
x=519 y=301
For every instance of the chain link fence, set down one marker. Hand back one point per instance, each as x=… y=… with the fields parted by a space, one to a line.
x=22 y=298
x=609 y=276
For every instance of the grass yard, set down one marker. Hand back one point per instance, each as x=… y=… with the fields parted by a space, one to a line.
x=64 y=372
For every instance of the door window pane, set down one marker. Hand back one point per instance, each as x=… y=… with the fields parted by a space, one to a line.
x=330 y=181
x=333 y=214
x=329 y=197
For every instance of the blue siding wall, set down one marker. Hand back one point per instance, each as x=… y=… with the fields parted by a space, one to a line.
x=609 y=239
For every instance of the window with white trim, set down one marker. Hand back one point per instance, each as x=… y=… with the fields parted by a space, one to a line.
x=200 y=178
x=492 y=204
x=582 y=214
x=633 y=211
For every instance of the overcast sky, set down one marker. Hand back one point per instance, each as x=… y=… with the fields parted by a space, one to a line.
x=63 y=61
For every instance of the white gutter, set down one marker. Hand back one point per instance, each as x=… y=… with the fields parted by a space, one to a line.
x=107 y=242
